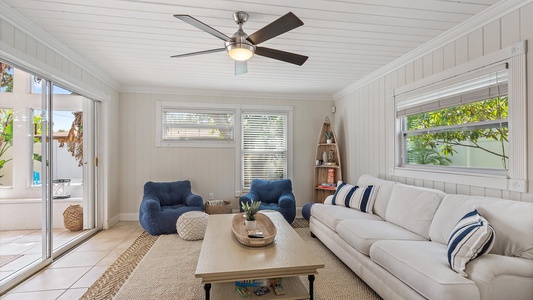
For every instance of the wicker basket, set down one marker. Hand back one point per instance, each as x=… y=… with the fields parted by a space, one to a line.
x=218 y=209
x=73 y=217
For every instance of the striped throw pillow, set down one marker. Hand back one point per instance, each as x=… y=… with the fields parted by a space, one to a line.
x=471 y=237
x=359 y=197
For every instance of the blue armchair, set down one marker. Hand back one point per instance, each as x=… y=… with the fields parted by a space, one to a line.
x=164 y=202
x=274 y=195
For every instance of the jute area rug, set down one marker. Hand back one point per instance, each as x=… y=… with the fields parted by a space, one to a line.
x=167 y=272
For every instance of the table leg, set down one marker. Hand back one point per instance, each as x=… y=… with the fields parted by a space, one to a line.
x=311 y=281
x=207 y=288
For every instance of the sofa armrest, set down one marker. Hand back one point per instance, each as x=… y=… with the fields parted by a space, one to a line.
x=287 y=200
x=194 y=200
x=502 y=277
x=150 y=203
x=251 y=195
x=489 y=266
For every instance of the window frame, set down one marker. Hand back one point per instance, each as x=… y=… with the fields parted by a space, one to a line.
x=515 y=178
x=161 y=106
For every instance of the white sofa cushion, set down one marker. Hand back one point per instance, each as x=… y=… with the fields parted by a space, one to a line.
x=383 y=197
x=413 y=208
x=423 y=266
x=331 y=215
x=361 y=234
x=353 y=196
x=499 y=276
x=511 y=221
x=471 y=237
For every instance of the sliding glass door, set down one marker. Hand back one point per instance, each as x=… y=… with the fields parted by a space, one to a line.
x=47 y=172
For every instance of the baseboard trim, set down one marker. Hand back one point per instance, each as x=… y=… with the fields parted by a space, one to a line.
x=112 y=222
x=129 y=217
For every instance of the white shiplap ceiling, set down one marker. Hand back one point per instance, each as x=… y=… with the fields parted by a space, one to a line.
x=132 y=40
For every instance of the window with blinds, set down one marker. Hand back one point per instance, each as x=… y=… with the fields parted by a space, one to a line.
x=197 y=125
x=263 y=146
x=460 y=122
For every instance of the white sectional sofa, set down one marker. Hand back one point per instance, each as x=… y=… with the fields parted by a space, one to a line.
x=400 y=250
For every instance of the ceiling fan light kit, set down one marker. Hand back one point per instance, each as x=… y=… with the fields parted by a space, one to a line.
x=241 y=47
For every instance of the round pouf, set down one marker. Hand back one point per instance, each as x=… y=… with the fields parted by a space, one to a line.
x=191 y=225
x=306 y=210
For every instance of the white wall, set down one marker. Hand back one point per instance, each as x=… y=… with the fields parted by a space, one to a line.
x=365 y=120
x=210 y=170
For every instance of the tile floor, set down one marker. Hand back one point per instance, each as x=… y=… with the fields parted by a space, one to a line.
x=71 y=275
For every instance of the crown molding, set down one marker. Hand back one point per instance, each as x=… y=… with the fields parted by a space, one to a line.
x=21 y=60
x=227 y=93
x=11 y=16
x=479 y=20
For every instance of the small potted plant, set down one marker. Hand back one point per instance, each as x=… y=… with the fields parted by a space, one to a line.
x=329 y=136
x=250 y=209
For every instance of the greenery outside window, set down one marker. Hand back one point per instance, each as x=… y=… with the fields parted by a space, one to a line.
x=6 y=144
x=6 y=80
x=473 y=135
x=264 y=146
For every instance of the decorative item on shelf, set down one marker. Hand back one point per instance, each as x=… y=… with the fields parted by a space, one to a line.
x=325 y=157
x=331 y=176
x=250 y=209
x=331 y=158
x=329 y=137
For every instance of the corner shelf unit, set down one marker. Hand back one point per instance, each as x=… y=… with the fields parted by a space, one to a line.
x=332 y=169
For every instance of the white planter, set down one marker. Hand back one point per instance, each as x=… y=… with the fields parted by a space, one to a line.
x=250 y=225
x=328 y=141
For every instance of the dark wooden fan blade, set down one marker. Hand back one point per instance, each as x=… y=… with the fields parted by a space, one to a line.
x=241 y=67
x=289 y=57
x=194 y=22
x=199 y=52
x=286 y=23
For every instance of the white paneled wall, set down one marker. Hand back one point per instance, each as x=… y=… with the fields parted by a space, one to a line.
x=365 y=116
x=210 y=170
x=34 y=50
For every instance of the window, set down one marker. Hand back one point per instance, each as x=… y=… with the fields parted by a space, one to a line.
x=181 y=126
x=462 y=125
x=264 y=146
x=466 y=125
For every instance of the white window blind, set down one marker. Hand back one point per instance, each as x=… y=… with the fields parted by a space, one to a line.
x=197 y=125
x=264 y=146
x=485 y=83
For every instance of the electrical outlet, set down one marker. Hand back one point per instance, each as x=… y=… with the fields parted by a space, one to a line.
x=211 y=196
x=237 y=194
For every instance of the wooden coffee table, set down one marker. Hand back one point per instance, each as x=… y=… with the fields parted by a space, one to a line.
x=223 y=260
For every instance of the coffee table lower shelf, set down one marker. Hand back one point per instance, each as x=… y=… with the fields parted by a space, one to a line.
x=293 y=286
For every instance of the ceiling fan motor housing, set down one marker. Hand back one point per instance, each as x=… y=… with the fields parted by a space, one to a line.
x=238 y=47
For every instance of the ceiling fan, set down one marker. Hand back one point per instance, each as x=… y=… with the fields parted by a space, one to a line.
x=242 y=47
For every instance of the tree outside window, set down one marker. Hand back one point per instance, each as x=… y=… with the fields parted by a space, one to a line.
x=470 y=135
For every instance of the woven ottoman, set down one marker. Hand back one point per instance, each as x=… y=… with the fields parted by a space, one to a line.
x=191 y=225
